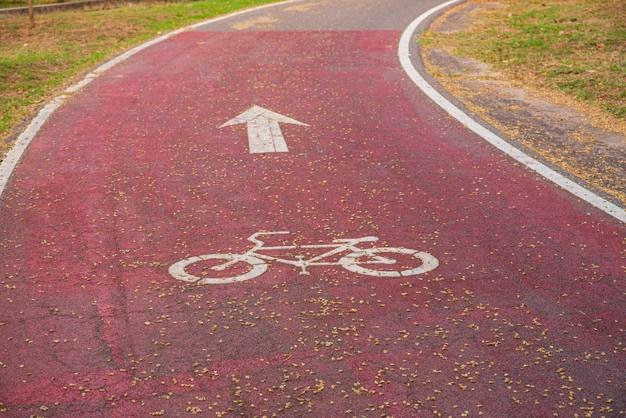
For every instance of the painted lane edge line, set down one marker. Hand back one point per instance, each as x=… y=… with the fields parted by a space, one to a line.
x=574 y=188
x=14 y=155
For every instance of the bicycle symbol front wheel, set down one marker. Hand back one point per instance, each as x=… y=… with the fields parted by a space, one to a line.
x=178 y=270
x=351 y=262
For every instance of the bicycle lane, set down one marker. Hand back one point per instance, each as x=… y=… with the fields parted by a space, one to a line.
x=522 y=314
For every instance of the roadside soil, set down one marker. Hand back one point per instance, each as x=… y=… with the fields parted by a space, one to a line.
x=569 y=135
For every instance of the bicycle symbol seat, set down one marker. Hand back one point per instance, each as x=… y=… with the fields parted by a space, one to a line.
x=357 y=260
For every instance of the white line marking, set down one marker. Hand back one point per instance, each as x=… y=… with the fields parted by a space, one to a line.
x=15 y=154
x=495 y=140
x=264 y=134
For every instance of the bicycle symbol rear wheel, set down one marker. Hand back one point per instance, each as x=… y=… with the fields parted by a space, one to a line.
x=351 y=262
x=178 y=269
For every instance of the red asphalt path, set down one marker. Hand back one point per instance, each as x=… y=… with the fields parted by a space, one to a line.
x=523 y=317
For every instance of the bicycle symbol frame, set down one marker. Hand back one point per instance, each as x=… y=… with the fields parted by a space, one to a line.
x=350 y=261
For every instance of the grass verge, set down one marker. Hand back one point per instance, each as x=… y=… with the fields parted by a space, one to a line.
x=36 y=63
x=577 y=47
x=23 y=3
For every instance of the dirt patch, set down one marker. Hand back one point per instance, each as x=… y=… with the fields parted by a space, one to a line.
x=582 y=142
x=452 y=65
x=460 y=19
x=305 y=7
x=256 y=22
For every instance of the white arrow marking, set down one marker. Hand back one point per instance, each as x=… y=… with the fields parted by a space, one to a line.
x=264 y=134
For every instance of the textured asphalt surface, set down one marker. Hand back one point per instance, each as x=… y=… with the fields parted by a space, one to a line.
x=524 y=316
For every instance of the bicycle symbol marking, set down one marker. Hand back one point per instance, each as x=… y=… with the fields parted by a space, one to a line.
x=352 y=261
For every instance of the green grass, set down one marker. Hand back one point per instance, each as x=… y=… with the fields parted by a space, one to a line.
x=575 y=46
x=35 y=63
x=22 y=3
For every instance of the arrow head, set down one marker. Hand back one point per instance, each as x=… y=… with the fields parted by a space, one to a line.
x=257 y=111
